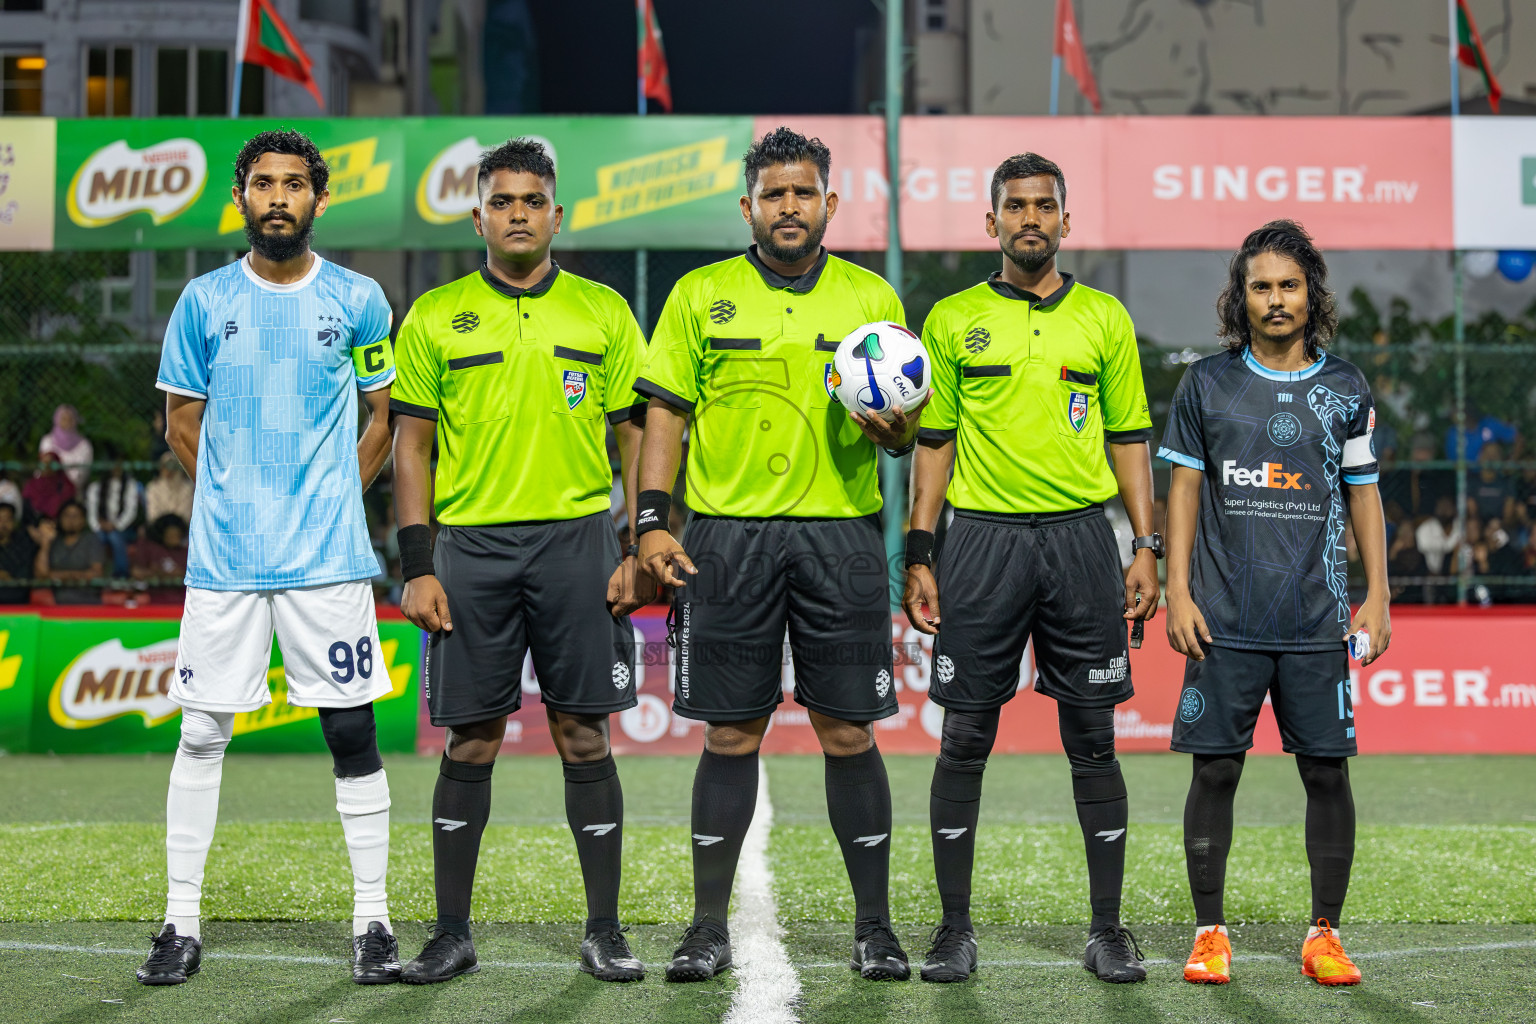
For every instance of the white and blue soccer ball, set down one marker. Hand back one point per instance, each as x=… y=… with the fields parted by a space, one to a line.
x=880 y=368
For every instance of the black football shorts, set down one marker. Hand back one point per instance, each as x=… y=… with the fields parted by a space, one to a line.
x=824 y=580
x=1309 y=691
x=540 y=586
x=1004 y=579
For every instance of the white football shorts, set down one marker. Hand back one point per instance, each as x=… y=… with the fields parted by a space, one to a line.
x=328 y=635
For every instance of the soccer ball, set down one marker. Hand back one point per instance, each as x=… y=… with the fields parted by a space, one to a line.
x=880 y=368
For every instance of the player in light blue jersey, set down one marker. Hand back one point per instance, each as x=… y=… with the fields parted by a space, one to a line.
x=262 y=367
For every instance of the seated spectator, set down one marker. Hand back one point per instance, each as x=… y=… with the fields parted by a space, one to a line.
x=1438 y=536
x=1425 y=487
x=74 y=451
x=169 y=493
x=18 y=555
x=1404 y=559
x=70 y=553
x=10 y=494
x=1491 y=489
x=1503 y=557
x=1484 y=429
x=162 y=558
x=48 y=490
x=112 y=507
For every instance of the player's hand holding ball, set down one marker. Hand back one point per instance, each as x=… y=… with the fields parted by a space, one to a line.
x=881 y=373
x=426 y=605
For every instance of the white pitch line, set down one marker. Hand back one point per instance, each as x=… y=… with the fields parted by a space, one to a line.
x=767 y=987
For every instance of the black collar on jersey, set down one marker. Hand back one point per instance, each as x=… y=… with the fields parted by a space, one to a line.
x=536 y=289
x=996 y=283
x=799 y=285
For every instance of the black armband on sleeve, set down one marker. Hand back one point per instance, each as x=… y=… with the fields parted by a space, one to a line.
x=919 y=548
x=653 y=511
x=415 y=551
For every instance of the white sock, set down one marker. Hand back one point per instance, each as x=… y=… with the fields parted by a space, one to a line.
x=1314 y=931
x=363 y=802
x=1210 y=928
x=191 y=813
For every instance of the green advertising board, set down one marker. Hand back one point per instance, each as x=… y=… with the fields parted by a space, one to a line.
x=402 y=183
x=100 y=686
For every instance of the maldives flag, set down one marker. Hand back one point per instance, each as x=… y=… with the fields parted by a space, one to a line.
x=263 y=38
x=1469 y=50
x=655 y=83
x=1069 y=47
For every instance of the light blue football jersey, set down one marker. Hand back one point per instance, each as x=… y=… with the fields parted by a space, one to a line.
x=279 y=499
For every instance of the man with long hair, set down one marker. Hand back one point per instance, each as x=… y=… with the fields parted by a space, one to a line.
x=1270 y=445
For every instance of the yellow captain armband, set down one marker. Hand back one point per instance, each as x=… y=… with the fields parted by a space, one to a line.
x=373 y=359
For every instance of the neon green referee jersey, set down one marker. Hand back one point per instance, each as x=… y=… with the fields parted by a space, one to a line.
x=519 y=381
x=749 y=354
x=1030 y=388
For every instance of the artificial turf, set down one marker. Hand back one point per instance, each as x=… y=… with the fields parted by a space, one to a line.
x=1447 y=858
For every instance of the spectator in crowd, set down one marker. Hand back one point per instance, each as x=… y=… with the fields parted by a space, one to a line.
x=1438 y=536
x=45 y=494
x=1491 y=489
x=1502 y=556
x=169 y=493
x=10 y=494
x=1425 y=487
x=1484 y=429
x=162 y=556
x=17 y=557
x=112 y=506
x=68 y=552
x=1405 y=560
x=74 y=451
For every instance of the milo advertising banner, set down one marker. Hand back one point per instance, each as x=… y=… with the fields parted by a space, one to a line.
x=99 y=685
x=165 y=183
x=401 y=182
x=624 y=182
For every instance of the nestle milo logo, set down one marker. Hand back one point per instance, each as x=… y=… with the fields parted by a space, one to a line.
x=162 y=180
x=448 y=188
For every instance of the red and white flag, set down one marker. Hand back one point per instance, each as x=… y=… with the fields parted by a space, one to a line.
x=1069 y=47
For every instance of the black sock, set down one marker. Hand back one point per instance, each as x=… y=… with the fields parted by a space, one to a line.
x=1103 y=812
x=594 y=807
x=954 y=807
x=461 y=804
x=1330 y=832
x=859 y=806
x=724 y=797
x=1208 y=832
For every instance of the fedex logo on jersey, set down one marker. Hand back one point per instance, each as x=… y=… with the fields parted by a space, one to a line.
x=1269 y=474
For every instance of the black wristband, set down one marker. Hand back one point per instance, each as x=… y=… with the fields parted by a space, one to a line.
x=653 y=511
x=415 y=551
x=919 y=548
x=905 y=449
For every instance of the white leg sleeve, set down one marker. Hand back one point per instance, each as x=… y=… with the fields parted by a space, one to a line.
x=192 y=811
x=363 y=802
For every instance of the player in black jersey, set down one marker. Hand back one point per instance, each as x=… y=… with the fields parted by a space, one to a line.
x=1270 y=443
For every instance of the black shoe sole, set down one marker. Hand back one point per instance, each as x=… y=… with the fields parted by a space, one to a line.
x=879 y=973
x=388 y=979
x=1113 y=981
x=692 y=974
x=166 y=979
x=619 y=976
x=945 y=977
x=472 y=969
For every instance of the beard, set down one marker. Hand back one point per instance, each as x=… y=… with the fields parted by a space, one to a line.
x=279 y=248
x=1031 y=260
x=762 y=234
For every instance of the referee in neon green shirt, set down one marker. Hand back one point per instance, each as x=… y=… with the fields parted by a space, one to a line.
x=1032 y=374
x=784 y=535
x=514 y=371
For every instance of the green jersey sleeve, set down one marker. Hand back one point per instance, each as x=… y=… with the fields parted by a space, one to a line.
x=1122 y=393
x=941 y=414
x=671 y=371
x=418 y=374
x=626 y=347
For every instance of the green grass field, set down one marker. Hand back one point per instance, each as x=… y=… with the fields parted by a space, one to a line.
x=1446 y=862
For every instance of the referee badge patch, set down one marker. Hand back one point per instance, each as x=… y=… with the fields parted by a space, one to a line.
x=1077 y=410
x=575 y=387
x=831 y=380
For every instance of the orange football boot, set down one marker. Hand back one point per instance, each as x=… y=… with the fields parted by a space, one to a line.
x=1211 y=962
x=1323 y=959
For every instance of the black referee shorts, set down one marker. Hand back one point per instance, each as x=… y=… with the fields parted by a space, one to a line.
x=538 y=585
x=1004 y=579
x=824 y=580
